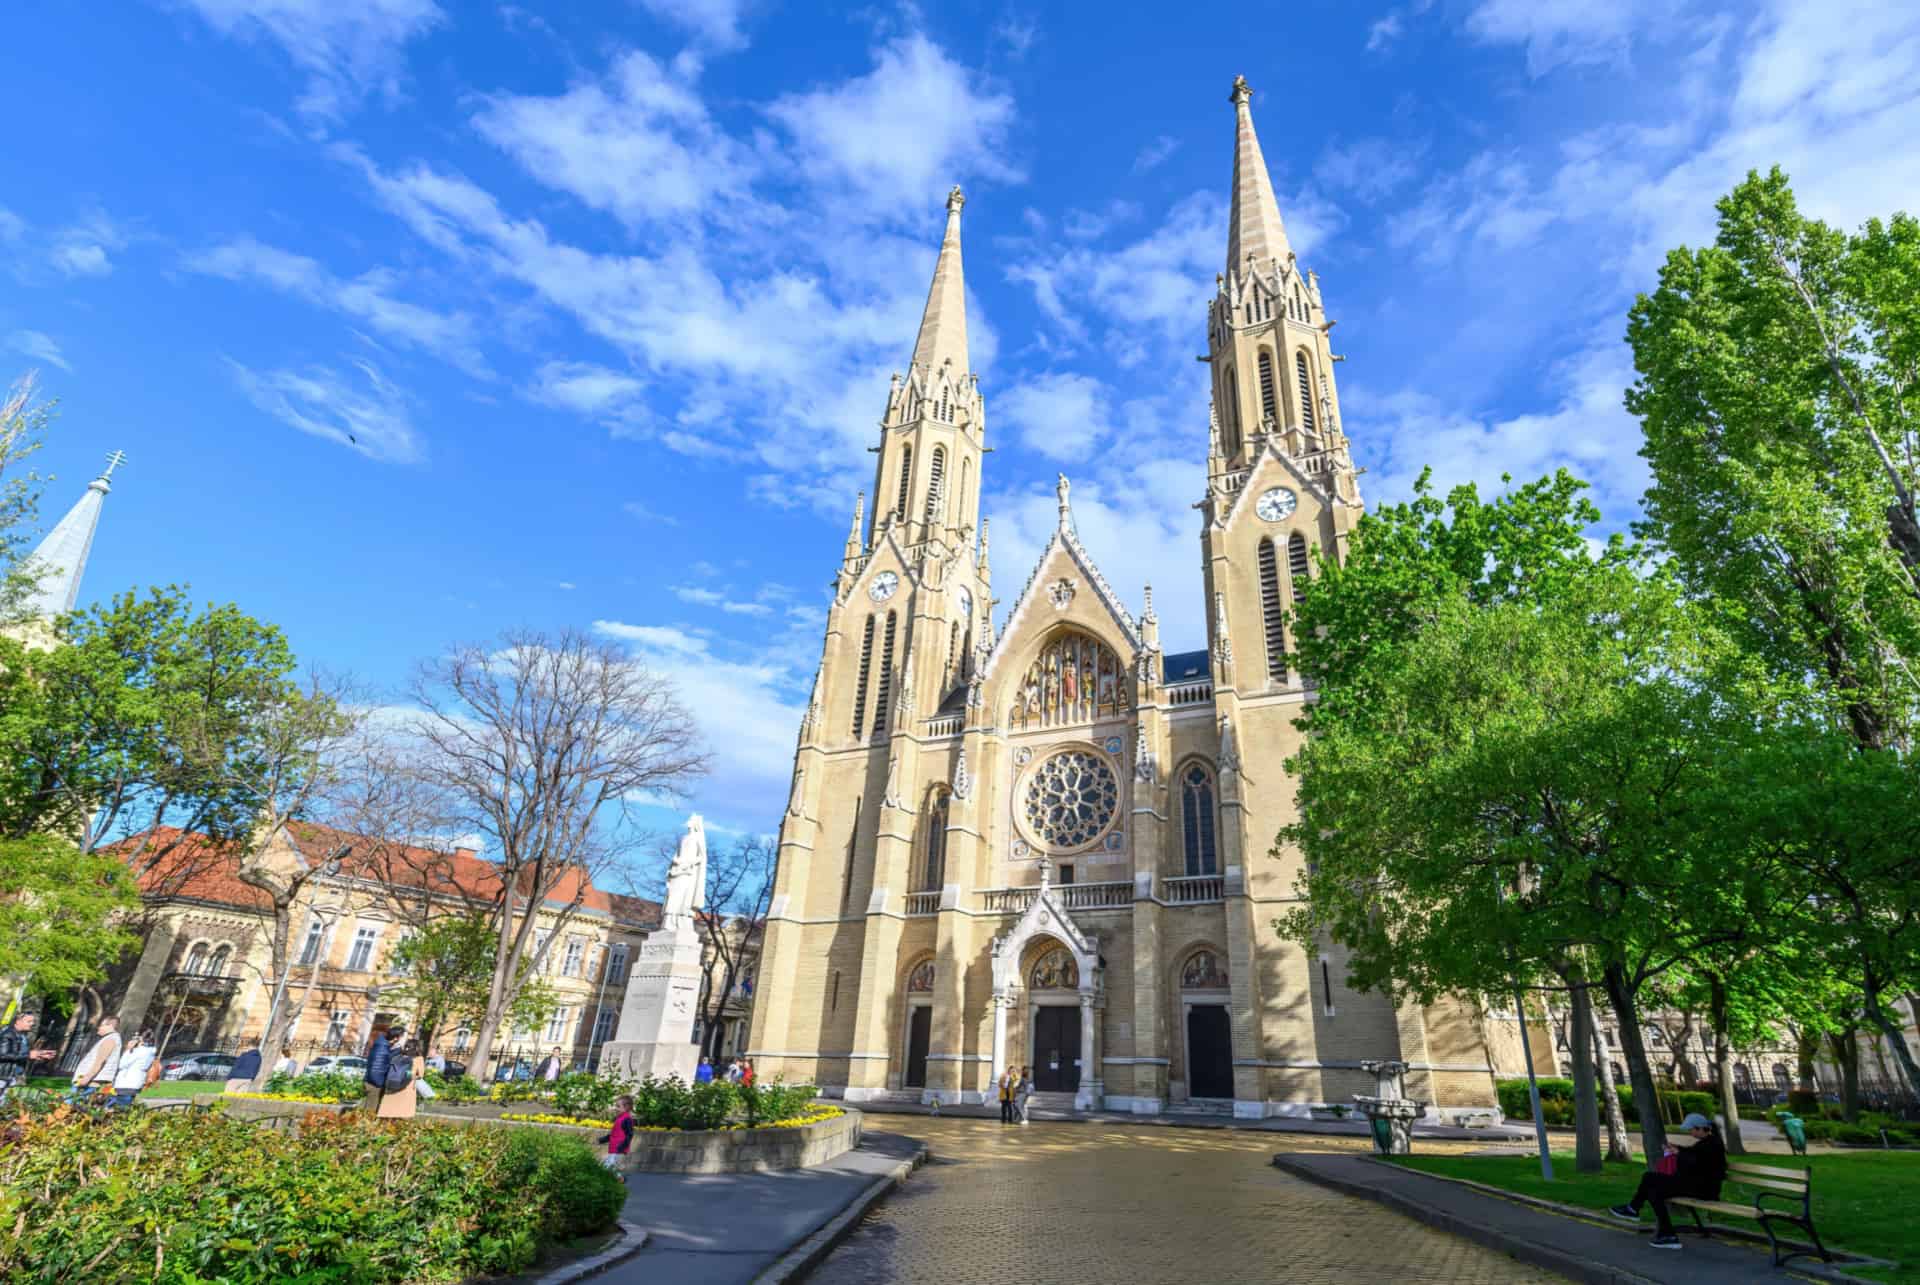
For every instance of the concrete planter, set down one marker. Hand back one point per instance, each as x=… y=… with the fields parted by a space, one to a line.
x=730 y=1150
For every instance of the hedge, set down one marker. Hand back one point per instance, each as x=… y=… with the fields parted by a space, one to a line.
x=1556 y=1102
x=190 y=1196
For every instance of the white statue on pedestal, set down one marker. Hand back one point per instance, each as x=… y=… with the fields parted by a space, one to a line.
x=687 y=876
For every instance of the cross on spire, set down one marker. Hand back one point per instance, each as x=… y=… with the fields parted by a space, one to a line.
x=114 y=460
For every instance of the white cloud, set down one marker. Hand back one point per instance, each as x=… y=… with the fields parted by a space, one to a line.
x=1155 y=153
x=914 y=124
x=368 y=298
x=346 y=48
x=1018 y=35
x=1060 y=415
x=372 y=420
x=12 y=226
x=1562 y=32
x=588 y=389
x=714 y=598
x=638 y=145
x=715 y=22
x=39 y=346
x=1369 y=168
x=84 y=249
x=635 y=509
x=566 y=585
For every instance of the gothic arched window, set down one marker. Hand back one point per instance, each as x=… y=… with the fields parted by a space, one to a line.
x=217 y=965
x=906 y=481
x=860 y=684
x=1267 y=391
x=936 y=475
x=933 y=844
x=1297 y=564
x=196 y=959
x=1306 y=391
x=1196 y=819
x=1270 y=613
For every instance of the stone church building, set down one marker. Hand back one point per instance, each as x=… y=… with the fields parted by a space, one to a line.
x=1051 y=845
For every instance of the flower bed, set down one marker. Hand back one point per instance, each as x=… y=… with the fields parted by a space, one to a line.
x=191 y=1196
x=812 y=1115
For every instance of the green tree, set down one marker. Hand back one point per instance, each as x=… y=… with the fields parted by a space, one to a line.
x=445 y=970
x=22 y=427
x=63 y=914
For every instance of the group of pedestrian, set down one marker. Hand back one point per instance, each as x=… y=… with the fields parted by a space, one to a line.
x=394 y=1074
x=114 y=1070
x=737 y=1070
x=1015 y=1092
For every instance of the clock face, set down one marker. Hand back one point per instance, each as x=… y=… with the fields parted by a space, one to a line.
x=1276 y=504
x=883 y=586
x=966 y=604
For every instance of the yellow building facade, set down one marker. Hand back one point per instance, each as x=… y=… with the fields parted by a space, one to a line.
x=1052 y=844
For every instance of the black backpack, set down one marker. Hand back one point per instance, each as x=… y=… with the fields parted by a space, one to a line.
x=399 y=1074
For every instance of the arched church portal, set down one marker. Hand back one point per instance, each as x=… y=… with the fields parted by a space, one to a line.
x=1206 y=1028
x=1054 y=1015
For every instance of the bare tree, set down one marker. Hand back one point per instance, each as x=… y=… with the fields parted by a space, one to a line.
x=739 y=887
x=544 y=744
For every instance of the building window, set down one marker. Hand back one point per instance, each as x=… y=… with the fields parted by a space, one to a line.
x=576 y=951
x=1271 y=615
x=906 y=481
x=1066 y=873
x=196 y=959
x=310 y=949
x=538 y=956
x=557 y=1024
x=1230 y=422
x=1326 y=986
x=217 y=965
x=1196 y=819
x=462 y=1040
x=1266 y=385
x=1297 y=564
x=360 y=958
x=936 y=475
x=617 y=964
x=933 y=868
x=833 y=1003
x=336 y=1029
x=603 y=1026
x=1781 y=1078
x=1306 y=391
x=886 y=676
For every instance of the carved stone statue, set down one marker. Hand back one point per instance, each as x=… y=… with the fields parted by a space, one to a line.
x=687 y=876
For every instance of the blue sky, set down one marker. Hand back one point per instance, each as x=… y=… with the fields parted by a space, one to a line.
x=607 y=297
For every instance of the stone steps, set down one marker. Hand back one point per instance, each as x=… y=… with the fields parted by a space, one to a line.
x=1203 y=1106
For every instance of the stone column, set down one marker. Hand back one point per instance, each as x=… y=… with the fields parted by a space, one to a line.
x=1083 y=1099
x=1000 y=1002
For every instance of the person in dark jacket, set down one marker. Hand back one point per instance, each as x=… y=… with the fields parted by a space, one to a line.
x=379 y=1062
x=16 y=1047
x=1697 y=1172
x=245 y=1067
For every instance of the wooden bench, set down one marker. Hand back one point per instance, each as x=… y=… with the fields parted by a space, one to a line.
x=1767 y=1183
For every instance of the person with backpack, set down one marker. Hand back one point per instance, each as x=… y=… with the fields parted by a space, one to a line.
x=380 y=1066
x=402 y=1097
x=619 y=1139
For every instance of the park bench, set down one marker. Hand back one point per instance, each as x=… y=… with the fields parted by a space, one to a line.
x=1767 y=1183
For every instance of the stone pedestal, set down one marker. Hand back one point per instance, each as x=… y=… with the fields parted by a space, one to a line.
x=1389 y=1115
x=655 y=1034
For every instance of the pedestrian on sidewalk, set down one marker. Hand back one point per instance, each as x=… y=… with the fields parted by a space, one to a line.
x=1695 y=1171
x=619 y=1139
x=135 y=1062
x=379 y=1065
x=1007 y=1084
x=244 y=1069
x=102 y=1062
x=401 y=1100
x=703 y=1074
x=16 y=1049
x=1023 y=1092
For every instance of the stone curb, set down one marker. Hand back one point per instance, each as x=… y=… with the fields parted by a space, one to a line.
x=809 y=1253
x=1572 y=1266
x=633 y=1239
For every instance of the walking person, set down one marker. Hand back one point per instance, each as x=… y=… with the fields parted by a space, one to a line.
x=703 y=1074
x=401 y=1100
x=245 y=1068
x=379 y=1065
x=550 y=1069
x=1023 y=1092
x=619 y=1139
x=1007 y=1083
x=16 y=1050
x=136 y=1061
x=102 y=1062
x=746 y=1073
x=1695 y=1171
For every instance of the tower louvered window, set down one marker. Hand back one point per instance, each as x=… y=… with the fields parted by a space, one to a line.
x=1270 y=613
x=946 y=412
x=1297 y=564
x=860 y=684
x=1306 y=391
x=935 y=477
x=1230 y=422
x=1266 y=385
x=886 y=679
x=906 y=480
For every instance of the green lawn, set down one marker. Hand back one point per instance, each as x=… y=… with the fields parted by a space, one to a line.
x=1862 y=1201
x=164 y=1089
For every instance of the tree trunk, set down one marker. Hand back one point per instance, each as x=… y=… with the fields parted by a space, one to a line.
x=1646 y=1098
x=1845 y=1046
x=1806 y=1047
x=1890 y=1027
x=1723 y=1062
x=1586 y=1107
x=504 y=953
x=1617 y=1150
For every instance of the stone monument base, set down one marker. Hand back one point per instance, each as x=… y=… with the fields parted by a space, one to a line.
x=637 y=1061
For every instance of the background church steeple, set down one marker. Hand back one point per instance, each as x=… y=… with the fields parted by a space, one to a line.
x=1254 y=229
x=943 y=326
x=61 y=559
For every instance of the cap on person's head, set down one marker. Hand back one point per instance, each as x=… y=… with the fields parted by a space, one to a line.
x=395 y=1031
x=1695 y=1120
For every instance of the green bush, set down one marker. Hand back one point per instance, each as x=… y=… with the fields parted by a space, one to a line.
x=464 y=1089
x=771 y=1103
x=318 y=1086
x=1803 y=1102
x=587 y=1095
x=190 y=1197
x=1556 y=1102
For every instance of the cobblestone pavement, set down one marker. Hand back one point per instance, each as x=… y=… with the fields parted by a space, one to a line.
x=1083 y=1203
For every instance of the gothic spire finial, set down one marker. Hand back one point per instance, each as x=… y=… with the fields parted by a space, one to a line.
x=943 y=326
x=1147 y=613
x=1066 y=506
x=855 y=546
x=1254 y=230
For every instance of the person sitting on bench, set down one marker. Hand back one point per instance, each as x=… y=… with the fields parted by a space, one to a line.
x=1695 y=1171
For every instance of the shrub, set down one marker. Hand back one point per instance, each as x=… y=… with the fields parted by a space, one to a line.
x=185 y=1197
x=464 y=1089
x=583 y=1093
x=769 y=1103
x=1803 y=1102
x=316 y=1086
x=1556 y=1102
x=515 y=1091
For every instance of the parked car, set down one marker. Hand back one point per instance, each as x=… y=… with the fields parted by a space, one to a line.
x=197 y=1066
x=337 y=1065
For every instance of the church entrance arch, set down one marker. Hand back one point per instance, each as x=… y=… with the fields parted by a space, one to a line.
x=1048 y=966
x=1204 y=995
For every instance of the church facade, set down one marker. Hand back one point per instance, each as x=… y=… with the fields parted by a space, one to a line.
x=1052 y=845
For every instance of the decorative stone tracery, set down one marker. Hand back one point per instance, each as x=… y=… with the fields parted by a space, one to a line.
x=1075 y=679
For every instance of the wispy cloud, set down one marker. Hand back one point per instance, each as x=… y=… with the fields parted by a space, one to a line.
x=347 y=49
x=39 y=346
x=1155 y=153
x=369 y=416
x=85 y=248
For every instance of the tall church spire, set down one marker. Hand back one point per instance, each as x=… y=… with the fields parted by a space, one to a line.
x=61 y=558
x=1254 y=228
x=943 y=327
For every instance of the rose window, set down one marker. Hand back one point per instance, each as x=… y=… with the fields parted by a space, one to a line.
x=1070 y=799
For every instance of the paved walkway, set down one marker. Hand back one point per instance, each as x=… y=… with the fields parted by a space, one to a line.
x=1491 y=1135
x=718 y=1229
x=1586 y=1251
x=1073 y=1203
